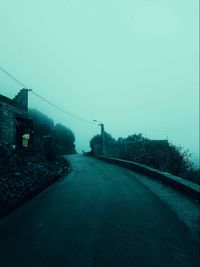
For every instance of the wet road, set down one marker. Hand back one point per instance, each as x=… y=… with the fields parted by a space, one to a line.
x=100 y=215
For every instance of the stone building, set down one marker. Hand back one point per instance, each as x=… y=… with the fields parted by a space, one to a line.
x=14 y=122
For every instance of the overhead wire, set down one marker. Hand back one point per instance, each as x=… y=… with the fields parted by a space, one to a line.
x=44 y=99
x=61 y=109
x=12 y=77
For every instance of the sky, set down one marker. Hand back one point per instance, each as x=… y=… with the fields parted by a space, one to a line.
x=131 y=64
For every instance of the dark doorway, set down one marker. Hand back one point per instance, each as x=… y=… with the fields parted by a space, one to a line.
x=23 y=126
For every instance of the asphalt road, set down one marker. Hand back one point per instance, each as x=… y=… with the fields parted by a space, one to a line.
x=100 y=215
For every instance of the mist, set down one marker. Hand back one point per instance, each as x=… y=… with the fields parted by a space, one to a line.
x=131 y=64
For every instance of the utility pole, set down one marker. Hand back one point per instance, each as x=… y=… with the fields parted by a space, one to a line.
x=102 y=136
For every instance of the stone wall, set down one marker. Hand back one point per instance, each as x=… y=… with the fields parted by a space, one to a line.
x=9 y=111
x=22 y=99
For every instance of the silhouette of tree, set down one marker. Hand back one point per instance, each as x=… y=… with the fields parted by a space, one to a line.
x=158 y=154
x=46 y=134
x=64 y=139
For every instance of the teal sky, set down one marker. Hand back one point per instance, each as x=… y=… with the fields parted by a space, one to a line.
x=132 y=64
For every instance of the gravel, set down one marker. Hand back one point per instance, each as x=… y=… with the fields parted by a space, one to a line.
x=24 y=174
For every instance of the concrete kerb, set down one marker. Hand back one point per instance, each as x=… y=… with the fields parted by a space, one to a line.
x=180 y=184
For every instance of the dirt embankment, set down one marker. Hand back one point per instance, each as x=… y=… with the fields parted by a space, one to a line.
x=24 y=174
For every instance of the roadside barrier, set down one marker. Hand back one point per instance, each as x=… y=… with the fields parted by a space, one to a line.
x=182 y=185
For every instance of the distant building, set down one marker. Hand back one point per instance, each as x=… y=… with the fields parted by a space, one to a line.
x=14 y=122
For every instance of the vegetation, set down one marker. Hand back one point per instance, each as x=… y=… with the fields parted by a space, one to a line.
x=64 y=139
x=25 y=172
x=193 y=175
x=159 y=154
x=54 y=139
x=97 y=139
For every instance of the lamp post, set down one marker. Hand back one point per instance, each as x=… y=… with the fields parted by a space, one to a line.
x=102 y=135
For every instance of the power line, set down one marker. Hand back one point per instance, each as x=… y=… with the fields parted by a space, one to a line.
x=44 y=99
x=12 y=77
x=61 y=109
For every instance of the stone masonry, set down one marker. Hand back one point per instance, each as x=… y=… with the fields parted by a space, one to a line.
x=11 y=110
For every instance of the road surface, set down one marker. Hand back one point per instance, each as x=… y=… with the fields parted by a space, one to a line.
x=100 y=215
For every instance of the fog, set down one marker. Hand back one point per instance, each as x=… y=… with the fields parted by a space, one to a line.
x=131 y=64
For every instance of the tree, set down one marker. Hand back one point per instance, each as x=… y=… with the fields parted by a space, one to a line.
x=64 y=139
x=97 y=139
x=135 y=137
x=177 y=160
x=96 y=142
x=42 y=124
x=46 y=134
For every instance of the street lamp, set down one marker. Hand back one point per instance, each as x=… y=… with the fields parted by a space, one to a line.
x=102 y=135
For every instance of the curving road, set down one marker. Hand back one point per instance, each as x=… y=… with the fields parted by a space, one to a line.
x=100 y=215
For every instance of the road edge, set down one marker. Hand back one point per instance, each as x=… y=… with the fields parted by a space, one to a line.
x=180 y=184
x=63 y=172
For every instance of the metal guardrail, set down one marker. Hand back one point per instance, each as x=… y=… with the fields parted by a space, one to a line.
x=180 y=184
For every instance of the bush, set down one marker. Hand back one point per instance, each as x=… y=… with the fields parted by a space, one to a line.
x=159 y=154
x=96 y=142
x=64 y=139
x=50 y=138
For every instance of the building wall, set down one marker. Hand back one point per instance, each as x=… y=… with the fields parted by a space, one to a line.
x=9 y=110
x=22 y=99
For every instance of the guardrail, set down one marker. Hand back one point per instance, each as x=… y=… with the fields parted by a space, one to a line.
x=187 y=187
